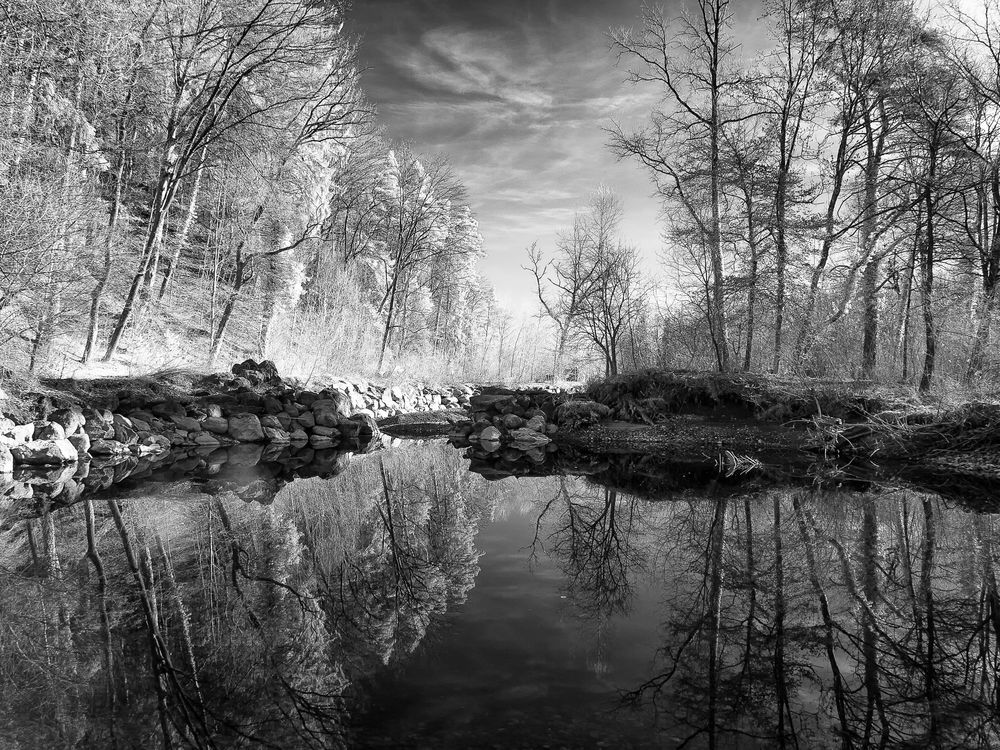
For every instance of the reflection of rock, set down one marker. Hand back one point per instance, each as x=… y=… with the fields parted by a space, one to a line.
x=526 y=439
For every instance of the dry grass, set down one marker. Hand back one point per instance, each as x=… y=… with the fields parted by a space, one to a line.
x=649 y=395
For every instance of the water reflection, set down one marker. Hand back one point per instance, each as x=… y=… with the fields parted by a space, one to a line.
x=368 y=609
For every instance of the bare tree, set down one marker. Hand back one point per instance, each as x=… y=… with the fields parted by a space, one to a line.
x=689 y=60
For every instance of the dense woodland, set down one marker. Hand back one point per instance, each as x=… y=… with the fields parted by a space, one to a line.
x=189 y=181
x=186 y=182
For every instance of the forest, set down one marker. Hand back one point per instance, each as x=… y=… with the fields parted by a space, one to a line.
x=189 y=182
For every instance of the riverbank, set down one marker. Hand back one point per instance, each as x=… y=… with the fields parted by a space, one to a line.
x=60 y=422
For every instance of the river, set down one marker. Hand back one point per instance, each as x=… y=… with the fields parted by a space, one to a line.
x=400 y=599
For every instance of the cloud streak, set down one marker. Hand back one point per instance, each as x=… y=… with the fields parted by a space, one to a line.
x=517 y=95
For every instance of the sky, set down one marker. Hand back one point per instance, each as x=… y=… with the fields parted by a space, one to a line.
x=516 y=94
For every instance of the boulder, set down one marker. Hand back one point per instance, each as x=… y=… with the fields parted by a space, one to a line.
x=123 y=430
x=348 y=427
x=80 y=441
x=246 y=428
x=298 y=436
x=338 y=401
x=272 y=405
x=536 y=423
x=264 y=371
x=216 y=425
x=277 y=435
x=45 y=452
x=102 y=447
x=306 y=398
x=490 y=435
x=167 y=409
x=48 y=431
x=272 y=421
x=188 y=424
x=213 y=410
x=71 y=420
x=325 y=416
x=367 y=425
x=22 y=433
x=512 y=422
x=99 y=424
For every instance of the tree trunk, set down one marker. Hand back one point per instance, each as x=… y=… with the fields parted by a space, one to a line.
x=869 y=345
x=927 y=280
x=189 y=215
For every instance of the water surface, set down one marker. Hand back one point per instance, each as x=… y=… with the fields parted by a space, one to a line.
x=401 y=600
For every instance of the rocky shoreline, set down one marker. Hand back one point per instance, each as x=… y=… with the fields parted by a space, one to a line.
x=250 y=405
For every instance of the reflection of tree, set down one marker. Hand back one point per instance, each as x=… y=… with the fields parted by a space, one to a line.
x=825 y=621
x=596 y=534
x=414 y=557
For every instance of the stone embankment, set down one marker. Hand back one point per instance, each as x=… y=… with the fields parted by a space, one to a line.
x=519 y=420
x=250 y=405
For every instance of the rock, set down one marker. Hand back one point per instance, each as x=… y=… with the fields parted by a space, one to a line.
x=246 y=428
x=272 y=421
x=80 y=441
x=348 y=427
x=264 y=371
x=207 y=438
x=306 y=420
x=6 y=460
x=272 y=405
x=306 y=398
x=490 y=434
x=216 y=425
x=536 y=423
x=298 y=436
x=213 y=410
x=167 y=409
x=338 y=401
x=325 y=416
x=188 y=424
x=123 y=430
x=277 y=435
x=6 y=425
x=49 y=431
x=526 y=439
x=240 y=384
x=102 y=447
x=324 y=431
x=22 y=433
x=512 y=422
x=99 y=424
x=367 y=426
x=71 y=420
x=45 y=452
x=158 y=443
x=491 y=402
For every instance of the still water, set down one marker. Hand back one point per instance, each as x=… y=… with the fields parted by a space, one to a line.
x=402 y=600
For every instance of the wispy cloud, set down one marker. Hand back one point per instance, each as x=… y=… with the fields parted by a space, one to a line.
x=517 y=94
